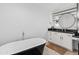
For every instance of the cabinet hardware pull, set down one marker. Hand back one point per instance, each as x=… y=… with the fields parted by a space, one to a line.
x=61 y=38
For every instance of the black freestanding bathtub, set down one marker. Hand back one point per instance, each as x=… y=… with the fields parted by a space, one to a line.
x=32 y=46
x=38 y=50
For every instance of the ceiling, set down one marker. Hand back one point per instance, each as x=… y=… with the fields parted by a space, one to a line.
x=54 y=7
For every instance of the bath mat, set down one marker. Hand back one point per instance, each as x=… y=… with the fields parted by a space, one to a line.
x=57 y=48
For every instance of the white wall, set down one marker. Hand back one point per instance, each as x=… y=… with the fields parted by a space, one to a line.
x=29 y=18
x=18 y=18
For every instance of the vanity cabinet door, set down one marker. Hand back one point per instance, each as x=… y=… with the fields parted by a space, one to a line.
x=56 y=38
x=67 y=41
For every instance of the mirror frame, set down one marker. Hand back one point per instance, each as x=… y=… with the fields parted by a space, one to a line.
x=78 y=17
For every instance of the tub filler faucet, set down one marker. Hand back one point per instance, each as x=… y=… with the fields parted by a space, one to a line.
x=23 y=35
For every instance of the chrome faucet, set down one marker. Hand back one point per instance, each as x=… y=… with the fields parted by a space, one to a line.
x=23 y=35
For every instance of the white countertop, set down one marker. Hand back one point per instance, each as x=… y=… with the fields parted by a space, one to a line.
x=75 y=38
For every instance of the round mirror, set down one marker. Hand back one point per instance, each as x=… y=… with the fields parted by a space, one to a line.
x=67 y=21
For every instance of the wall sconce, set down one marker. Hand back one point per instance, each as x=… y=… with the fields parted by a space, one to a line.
x=56 y=20
x=56 y=23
